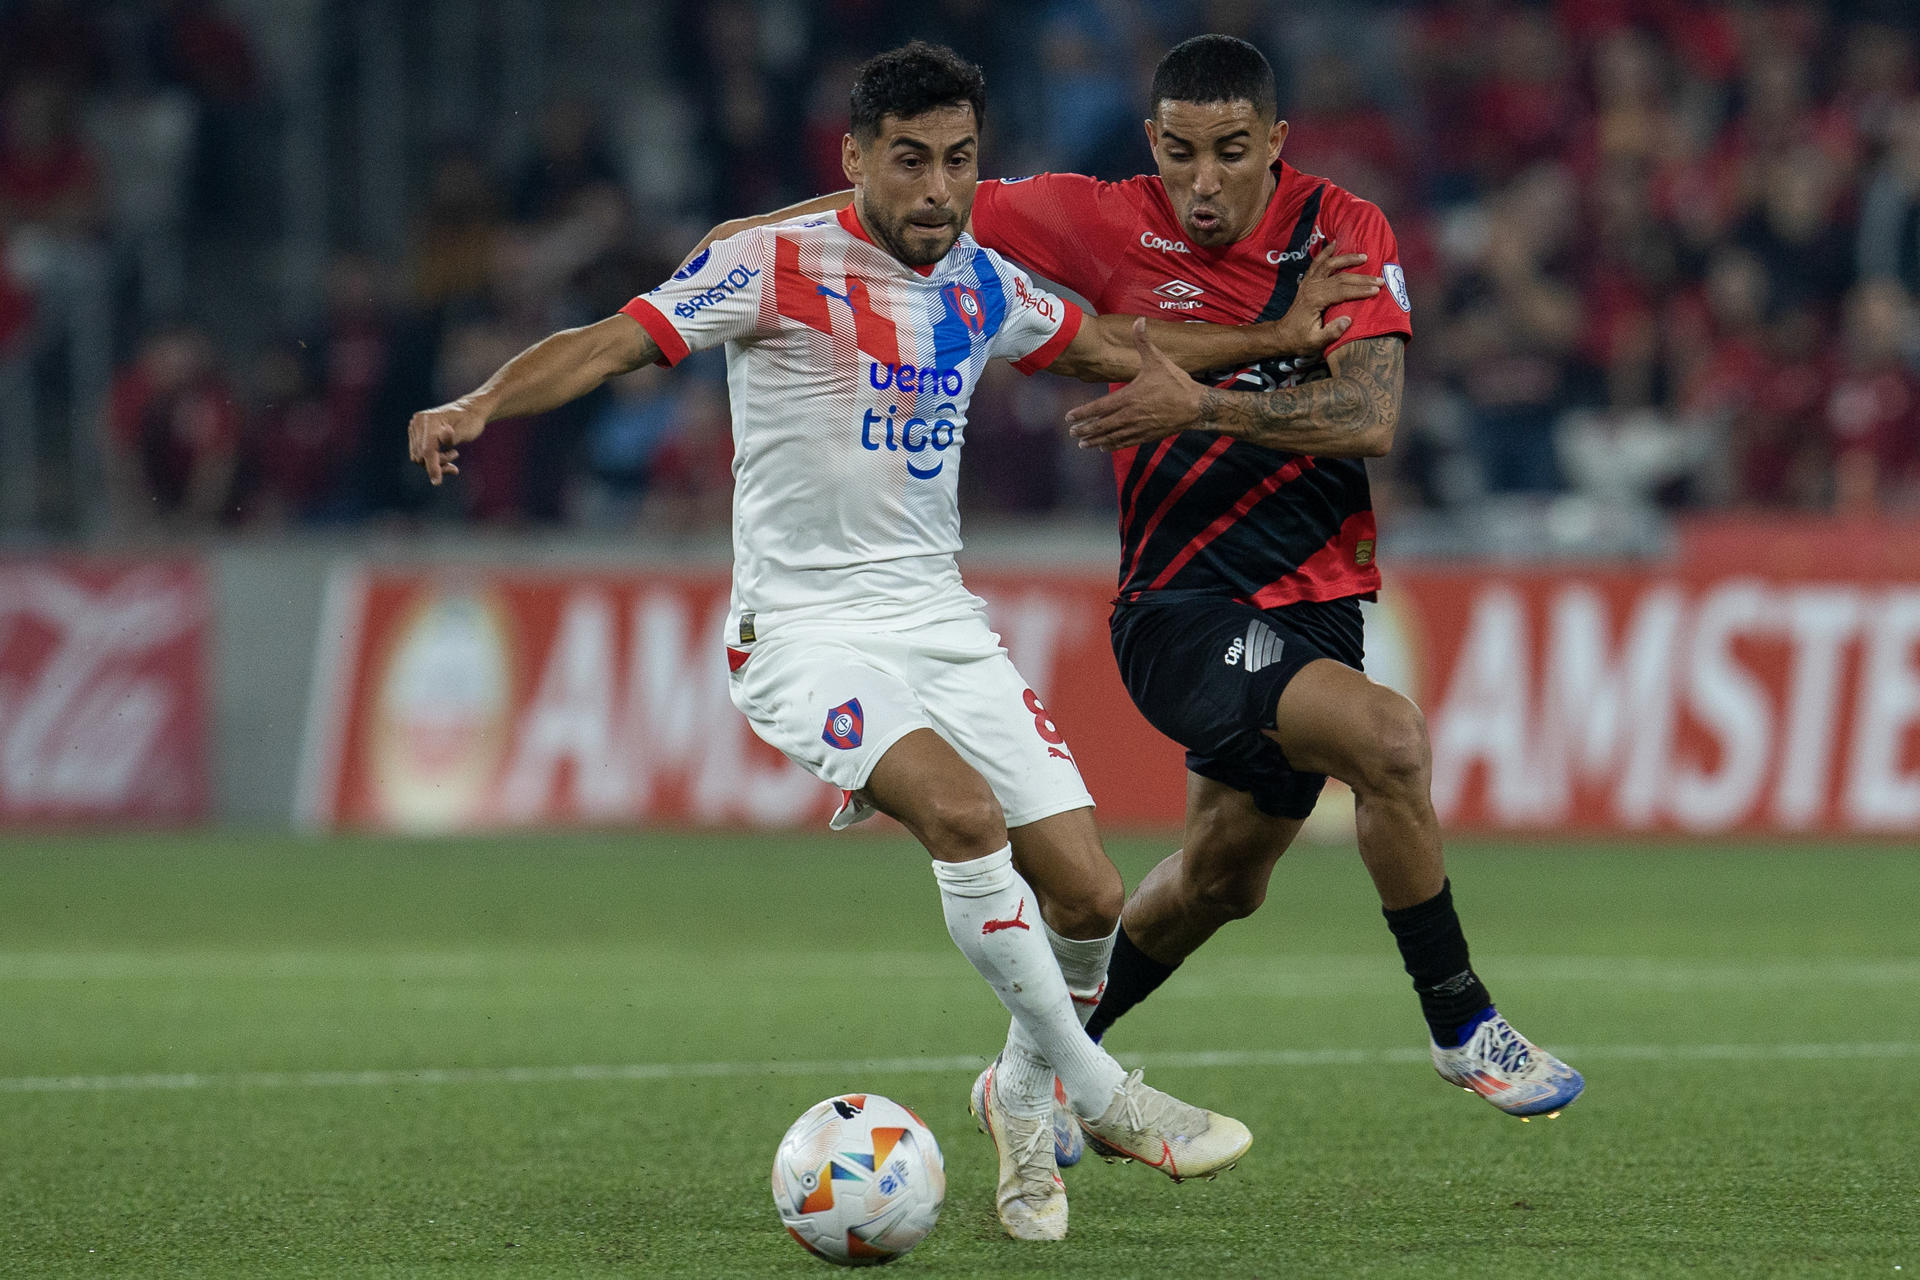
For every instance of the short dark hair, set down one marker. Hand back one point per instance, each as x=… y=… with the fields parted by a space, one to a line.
x=1215 y=68
x=911 y=80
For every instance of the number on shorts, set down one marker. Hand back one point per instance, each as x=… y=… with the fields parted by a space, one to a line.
x=1043 y=723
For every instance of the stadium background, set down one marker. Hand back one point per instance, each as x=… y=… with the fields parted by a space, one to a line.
x=1649 y=532
x=1665 y=257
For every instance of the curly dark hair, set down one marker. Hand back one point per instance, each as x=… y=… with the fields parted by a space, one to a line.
x=1215 y=68
x=912 y=80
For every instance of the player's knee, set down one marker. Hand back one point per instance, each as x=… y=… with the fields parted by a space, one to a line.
x=1100 y=907
x=1092 y=910
x=1397 y=756
x=961 y=823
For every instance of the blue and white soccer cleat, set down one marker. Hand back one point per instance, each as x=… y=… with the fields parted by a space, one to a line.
x=1069 y=1143
x=1508 y=1070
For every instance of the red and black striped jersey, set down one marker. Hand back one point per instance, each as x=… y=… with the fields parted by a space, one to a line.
x=1200 y=511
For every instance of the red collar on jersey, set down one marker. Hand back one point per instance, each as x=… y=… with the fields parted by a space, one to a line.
x=851 y=221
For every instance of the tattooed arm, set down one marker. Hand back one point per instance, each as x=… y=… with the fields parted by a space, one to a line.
x=1352 y=414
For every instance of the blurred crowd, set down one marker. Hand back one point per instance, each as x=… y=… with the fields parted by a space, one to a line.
x=1662 y=254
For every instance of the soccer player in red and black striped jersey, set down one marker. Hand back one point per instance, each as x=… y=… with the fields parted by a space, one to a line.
x=1248 y=542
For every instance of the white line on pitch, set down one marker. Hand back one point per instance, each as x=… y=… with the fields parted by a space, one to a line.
x=853 y=1067
x=1223 y=974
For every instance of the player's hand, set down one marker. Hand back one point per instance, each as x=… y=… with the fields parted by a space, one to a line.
x=434 y=436
x=1160 y=401
x=1329 y=281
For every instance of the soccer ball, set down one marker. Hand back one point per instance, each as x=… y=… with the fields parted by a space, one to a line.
x=859 y=1180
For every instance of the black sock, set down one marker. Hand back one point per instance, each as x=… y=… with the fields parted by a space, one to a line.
x=1435 y=953
x=1132 y=975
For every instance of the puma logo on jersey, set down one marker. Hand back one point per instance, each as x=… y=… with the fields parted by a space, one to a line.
x=1259 y=648
x=995 y=926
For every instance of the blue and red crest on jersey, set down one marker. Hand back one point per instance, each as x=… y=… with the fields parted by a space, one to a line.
x=964 y=301
x=844 y=724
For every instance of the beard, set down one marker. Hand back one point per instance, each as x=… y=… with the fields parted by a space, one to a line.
x=893 y=237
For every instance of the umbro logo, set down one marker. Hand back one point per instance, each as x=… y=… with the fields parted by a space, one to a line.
x=1257 y=649
x=1179 y=295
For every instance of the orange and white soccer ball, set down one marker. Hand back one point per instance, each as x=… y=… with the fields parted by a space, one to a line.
x=859 y=1180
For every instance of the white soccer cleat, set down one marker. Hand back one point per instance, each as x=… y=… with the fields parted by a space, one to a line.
x=1164 y=1133
x=1031 y=1200
x=1508 y=1070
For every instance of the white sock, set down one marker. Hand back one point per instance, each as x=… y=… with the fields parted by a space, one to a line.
x=1026 y=1077
x=993 y=917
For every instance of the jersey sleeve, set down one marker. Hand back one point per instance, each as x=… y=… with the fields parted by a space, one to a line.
x=713 y=299
x=1058 y=225
x=1360 y=227
x=1038 y=325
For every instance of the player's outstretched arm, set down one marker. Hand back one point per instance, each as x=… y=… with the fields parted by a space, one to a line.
x=1105 y=350
x=832 y=203
x=1352 y=414
x=545 y=376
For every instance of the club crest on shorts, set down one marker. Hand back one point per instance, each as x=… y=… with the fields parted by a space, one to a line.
x=844 y=724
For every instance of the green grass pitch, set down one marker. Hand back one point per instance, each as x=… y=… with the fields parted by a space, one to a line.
x=243 y=1055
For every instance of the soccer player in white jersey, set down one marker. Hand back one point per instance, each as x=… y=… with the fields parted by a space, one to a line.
x=853 y=345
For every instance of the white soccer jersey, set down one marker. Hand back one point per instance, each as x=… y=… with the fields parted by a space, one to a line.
x=849 y=375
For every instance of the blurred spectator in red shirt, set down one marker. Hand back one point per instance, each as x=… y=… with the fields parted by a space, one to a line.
x=173 y=433
x=1335 y=134
x=317 y=402
x=355 y=346
x=16 y=308
x=690 y=479
x=47 y=177
x=1779 y=454
x=1872 y=413
x=826 y=124
x=1717 y=339
x=290 y=453
x=1629 y=272
x=1523 y=111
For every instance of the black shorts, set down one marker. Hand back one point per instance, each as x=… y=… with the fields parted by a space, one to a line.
x=1208 y=672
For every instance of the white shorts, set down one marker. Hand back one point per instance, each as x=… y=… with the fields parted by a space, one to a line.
x=833 y=701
